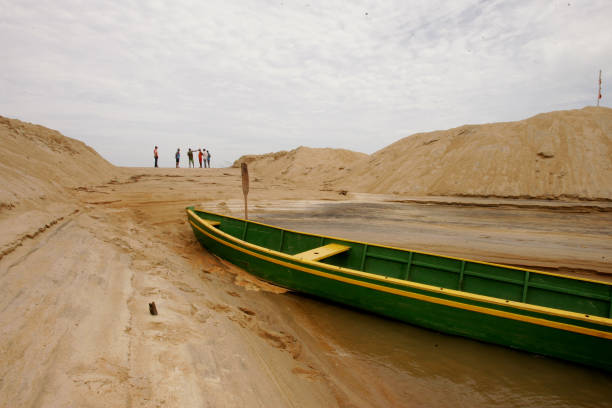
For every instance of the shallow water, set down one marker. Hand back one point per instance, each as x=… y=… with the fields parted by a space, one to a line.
x=410 y=366
x=553 y=239
x=425 y=368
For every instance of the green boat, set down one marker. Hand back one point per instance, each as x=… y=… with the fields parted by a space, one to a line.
x=539 y=312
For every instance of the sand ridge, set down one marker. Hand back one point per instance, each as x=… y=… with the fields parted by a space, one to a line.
x=556 y=155
x=305 y=167
x=40 y=173
x=39 y=163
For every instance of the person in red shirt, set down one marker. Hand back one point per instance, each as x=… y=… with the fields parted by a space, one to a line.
x=156 y=156
x=200 y=155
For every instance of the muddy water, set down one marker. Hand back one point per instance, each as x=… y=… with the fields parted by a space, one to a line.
x=555 y=239
x=414 y=367
x=396 y=364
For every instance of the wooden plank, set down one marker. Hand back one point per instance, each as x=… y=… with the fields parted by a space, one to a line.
x=323 y=252
x=211 y=223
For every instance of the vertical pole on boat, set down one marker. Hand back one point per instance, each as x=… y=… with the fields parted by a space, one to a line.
x=245 y=187
x=599 y=91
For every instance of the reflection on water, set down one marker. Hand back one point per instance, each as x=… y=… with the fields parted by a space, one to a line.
x=419 y=367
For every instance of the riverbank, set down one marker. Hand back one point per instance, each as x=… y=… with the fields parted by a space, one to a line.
x=76 y=328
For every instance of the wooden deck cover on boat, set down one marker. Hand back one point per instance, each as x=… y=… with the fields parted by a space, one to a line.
x=323 y=252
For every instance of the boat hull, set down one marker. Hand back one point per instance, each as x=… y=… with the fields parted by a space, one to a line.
x=438 y=309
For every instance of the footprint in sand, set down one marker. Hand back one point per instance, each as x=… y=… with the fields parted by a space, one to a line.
x=200 y=315
x=149 y=291
x=224 y=208
x=247 y=311
x=157 y=293
x=282 y=341
x=218 y=307
x=309 y=372
x=101 y=377
x=183 y=287
x=170 y=333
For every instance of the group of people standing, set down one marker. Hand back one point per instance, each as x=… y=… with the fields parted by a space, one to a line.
x=203 y=157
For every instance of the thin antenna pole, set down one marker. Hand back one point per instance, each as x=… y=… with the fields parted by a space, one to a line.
x=599 y=90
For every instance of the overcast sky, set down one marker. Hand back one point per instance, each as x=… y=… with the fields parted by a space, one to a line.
x=255 y=76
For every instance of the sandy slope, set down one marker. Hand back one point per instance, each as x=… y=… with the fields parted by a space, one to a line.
x=39 y=172
x=38 y=163
x=86 y=246
x=558 y=154
x=305 y=166
x=564 y=154
x=75 y=328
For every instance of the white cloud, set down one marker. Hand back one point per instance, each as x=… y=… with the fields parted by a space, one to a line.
x=257 y=76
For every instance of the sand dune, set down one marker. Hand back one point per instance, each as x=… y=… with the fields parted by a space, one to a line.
x=40 y=172
x=304 y=166
x=564 y=154
x=40 y=164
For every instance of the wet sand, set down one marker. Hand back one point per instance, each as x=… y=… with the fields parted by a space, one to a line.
x=76 y=330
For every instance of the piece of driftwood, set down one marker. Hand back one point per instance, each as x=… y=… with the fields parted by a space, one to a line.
x=152 y=309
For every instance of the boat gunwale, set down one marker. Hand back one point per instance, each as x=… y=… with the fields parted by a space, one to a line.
x=604 y=321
